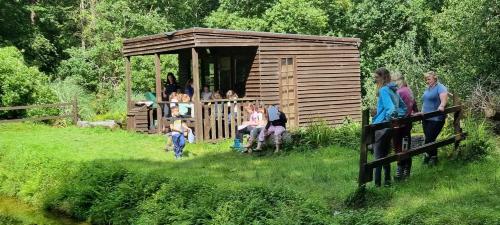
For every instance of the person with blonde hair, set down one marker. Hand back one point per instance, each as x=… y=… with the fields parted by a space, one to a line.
x=403 y=133
x=389 y=106
x=434 y=99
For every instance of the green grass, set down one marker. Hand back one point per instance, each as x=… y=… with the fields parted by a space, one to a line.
x=35 y=158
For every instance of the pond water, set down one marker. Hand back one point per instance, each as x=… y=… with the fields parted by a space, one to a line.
x=13 y=211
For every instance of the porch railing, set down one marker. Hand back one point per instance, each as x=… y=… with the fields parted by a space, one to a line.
x=220 y=118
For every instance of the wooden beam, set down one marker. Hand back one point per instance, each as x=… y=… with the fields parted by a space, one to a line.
x=127 y=83
x=363 y=154
x=416 y=151
x=196 y=97
x=159 y=123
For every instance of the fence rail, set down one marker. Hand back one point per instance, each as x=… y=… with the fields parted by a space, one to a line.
x=73 y=114
x=367 y=137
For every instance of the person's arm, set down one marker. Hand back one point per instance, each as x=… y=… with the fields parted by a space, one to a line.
x=267 y=125
x=444 y=99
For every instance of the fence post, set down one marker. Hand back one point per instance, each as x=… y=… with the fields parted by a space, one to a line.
x=363 y=154
x=456 y=120
x=75 y=110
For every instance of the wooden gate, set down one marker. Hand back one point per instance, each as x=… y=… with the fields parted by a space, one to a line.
x=367 y=137
x=288 y=90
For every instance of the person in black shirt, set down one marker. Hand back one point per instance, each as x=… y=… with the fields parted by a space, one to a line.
x=276 y=125
x=168 y=88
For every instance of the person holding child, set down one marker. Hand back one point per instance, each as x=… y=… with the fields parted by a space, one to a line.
x=276 y=125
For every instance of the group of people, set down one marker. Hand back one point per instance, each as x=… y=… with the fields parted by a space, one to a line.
x=262 y=123
x=180 y=106
x=396 y=100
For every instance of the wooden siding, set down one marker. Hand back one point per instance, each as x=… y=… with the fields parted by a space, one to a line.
x=328 y=78
x=205 y=37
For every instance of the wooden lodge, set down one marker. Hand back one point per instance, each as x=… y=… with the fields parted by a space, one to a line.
x=309 y=77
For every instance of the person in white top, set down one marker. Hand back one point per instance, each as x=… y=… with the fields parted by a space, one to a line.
x=206 y=94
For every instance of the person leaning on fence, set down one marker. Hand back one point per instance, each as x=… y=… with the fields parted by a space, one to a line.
x=276 y=125
x=434 y=99
x=389 y=106
x=402 y=135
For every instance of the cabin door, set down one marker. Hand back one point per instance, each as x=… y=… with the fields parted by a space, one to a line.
x=288 y=90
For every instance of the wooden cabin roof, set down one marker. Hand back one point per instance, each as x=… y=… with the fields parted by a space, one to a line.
x=208 y=37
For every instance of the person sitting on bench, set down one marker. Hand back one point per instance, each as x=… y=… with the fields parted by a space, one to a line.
x=276 y=125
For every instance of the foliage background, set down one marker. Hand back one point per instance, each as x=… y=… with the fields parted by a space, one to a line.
x=80 y=40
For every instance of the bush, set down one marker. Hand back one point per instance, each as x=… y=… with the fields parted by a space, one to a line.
x=320 y=134
x=22 y=85
x=104 y=192
x=479 y=141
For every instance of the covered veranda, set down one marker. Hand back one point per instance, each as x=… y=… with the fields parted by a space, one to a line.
x=221 y=66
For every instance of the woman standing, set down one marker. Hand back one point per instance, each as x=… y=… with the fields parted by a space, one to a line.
x=169 y=87
x=389 y=106
x=434 y=99
x=404 y=131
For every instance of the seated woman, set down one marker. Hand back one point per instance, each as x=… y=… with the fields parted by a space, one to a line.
x=276 y=125
x=261 y=124
x=186 y=107
x=247 y=126
x=206 y=94
x=178 y=131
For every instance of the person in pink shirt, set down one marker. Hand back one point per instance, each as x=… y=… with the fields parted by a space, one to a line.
x=402 y=136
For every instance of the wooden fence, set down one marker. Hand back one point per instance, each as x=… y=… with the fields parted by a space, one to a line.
x=367 y=138
x=73 y=114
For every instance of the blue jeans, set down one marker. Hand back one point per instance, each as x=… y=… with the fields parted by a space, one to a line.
x=179 y=141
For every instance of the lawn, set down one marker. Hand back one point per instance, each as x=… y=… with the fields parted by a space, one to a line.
x=34 y=159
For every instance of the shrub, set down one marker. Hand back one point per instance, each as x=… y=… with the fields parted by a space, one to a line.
x=320 y=134
x=22 y=85
x=479 y=141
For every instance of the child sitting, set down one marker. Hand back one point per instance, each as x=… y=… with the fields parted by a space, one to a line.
x=186 y=107
x=247 y=126
x=261 y=124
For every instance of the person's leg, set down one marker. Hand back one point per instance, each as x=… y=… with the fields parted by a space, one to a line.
x=182 y=143
x=379 y=152
x=437 y=127
x=262 y=136
x=407 y=162
x=386 y=147
x=397 y=140
x=426 y=125
x=278 y=132
x=175 y=141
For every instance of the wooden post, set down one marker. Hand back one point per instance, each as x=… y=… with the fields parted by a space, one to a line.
x=456 y=121
x=127 y=83
x=159 y=123
x=363 y=154
x=75 y=110
x=196 y=96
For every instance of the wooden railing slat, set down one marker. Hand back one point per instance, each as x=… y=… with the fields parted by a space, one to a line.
x=34 y=106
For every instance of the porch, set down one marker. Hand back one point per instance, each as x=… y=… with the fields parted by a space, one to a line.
x=218 y=68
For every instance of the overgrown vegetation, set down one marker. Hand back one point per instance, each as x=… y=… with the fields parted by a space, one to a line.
x=118 y=177
x=81 y=40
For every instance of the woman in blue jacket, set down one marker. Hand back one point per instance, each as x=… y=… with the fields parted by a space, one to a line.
x=389 y=106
